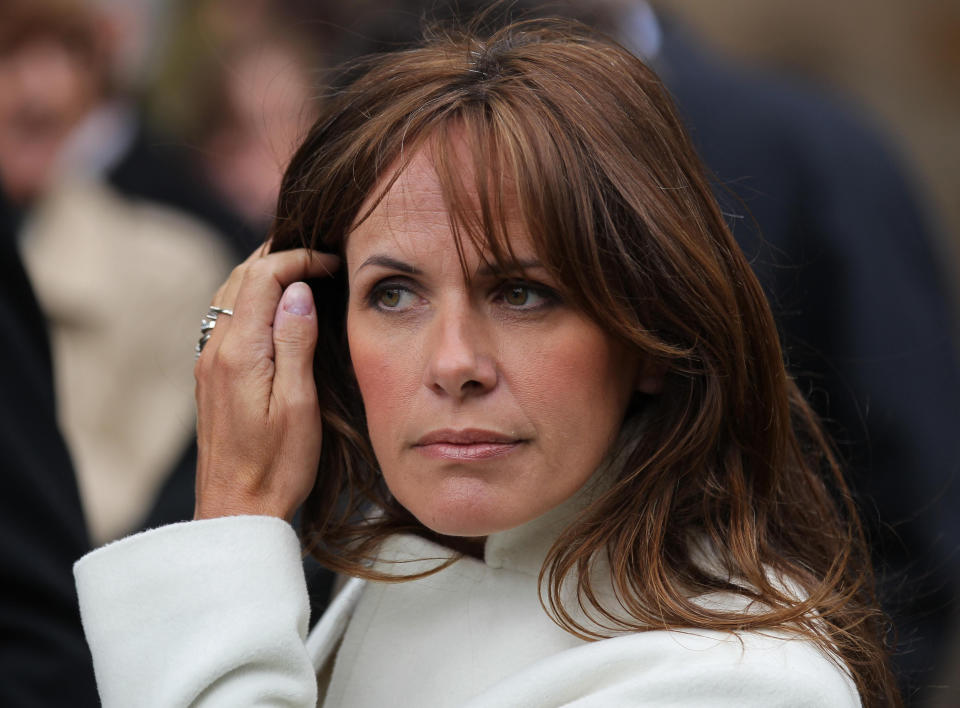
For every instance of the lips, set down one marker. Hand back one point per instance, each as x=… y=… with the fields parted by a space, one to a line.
x=469 y=444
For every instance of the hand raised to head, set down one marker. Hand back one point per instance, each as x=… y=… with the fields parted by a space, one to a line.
x=258 y=420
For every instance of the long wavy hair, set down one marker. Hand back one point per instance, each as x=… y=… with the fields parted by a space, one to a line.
x=584 y=138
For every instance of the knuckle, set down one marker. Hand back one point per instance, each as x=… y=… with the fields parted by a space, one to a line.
x=299 y=405
x=261 y=267
x=202 y=367
x=226 y=359
x=237 y=273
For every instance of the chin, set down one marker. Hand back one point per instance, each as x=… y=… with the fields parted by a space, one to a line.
x=454 y=520
x=467 y=508
x=462 y=528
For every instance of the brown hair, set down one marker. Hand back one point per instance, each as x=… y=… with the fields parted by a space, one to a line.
x=584 y=137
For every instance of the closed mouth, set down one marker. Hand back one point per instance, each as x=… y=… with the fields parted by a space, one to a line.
x=468 y=444
x=468 y=436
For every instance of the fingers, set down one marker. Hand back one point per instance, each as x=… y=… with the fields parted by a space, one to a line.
x=226 y=296
x=253 y=291
x=294 y=340
x=269 y=276
x=263 y=283
x=259 y=423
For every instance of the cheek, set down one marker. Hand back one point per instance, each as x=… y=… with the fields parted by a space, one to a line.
x=575 y=386
x=574 y=373
x=385 y=378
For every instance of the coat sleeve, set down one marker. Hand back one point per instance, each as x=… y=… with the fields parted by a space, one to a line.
x=202 y=613
x=694 y=669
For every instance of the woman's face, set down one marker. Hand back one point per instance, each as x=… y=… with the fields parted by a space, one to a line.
x=490 y=402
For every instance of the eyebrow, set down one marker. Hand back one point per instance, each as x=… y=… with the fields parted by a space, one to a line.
x=486 y=269
x=388 y=262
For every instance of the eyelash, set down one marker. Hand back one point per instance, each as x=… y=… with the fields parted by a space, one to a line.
x=548 y=296
x=373 y=299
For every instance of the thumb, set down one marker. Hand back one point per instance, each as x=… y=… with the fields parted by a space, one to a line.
x=294 y=341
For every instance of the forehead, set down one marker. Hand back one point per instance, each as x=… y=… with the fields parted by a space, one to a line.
x=410 y=218
x=416 y=196
x=413 y=216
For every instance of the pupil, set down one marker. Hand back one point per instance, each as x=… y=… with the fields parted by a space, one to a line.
x=390 y=297
x=518 y=296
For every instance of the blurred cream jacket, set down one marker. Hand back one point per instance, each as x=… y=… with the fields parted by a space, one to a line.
x=123 y=285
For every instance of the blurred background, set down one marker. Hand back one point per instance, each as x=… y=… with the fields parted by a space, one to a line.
x=142 y=144
x=897 y=62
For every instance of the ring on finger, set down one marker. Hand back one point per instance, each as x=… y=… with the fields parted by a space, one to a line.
x=207 y=323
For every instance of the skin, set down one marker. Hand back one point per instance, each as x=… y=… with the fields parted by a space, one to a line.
x=500 y=353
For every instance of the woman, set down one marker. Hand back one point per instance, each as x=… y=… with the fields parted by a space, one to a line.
x=558 y=440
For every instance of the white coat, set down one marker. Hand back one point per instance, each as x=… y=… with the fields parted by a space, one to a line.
x=215 y=613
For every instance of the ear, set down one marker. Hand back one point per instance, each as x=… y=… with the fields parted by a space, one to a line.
x=650 y=377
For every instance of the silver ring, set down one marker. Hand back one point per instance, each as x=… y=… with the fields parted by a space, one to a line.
x=207 y=323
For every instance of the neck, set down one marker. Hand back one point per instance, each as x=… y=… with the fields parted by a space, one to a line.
x=467 y=545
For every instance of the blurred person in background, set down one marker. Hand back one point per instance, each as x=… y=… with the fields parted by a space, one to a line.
x=118 y=279
x=97 y=199
x=254 y=106
x=53 y=72
x=234 y=88
x=823 y=209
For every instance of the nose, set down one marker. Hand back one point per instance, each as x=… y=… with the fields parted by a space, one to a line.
x=460 y=360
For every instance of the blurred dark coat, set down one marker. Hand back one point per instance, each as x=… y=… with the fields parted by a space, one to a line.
x=842 y=249
x=44 y=660
x=160 y=170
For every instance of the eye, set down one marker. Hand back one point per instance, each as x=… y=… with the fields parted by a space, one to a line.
x=392 y=297
x=523 y=296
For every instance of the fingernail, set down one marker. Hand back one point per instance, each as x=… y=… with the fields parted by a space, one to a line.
x=298 y=299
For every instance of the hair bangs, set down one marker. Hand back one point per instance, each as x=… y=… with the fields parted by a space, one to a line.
x=500 y=171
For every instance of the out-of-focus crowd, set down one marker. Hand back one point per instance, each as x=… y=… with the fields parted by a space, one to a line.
x=142 y=144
